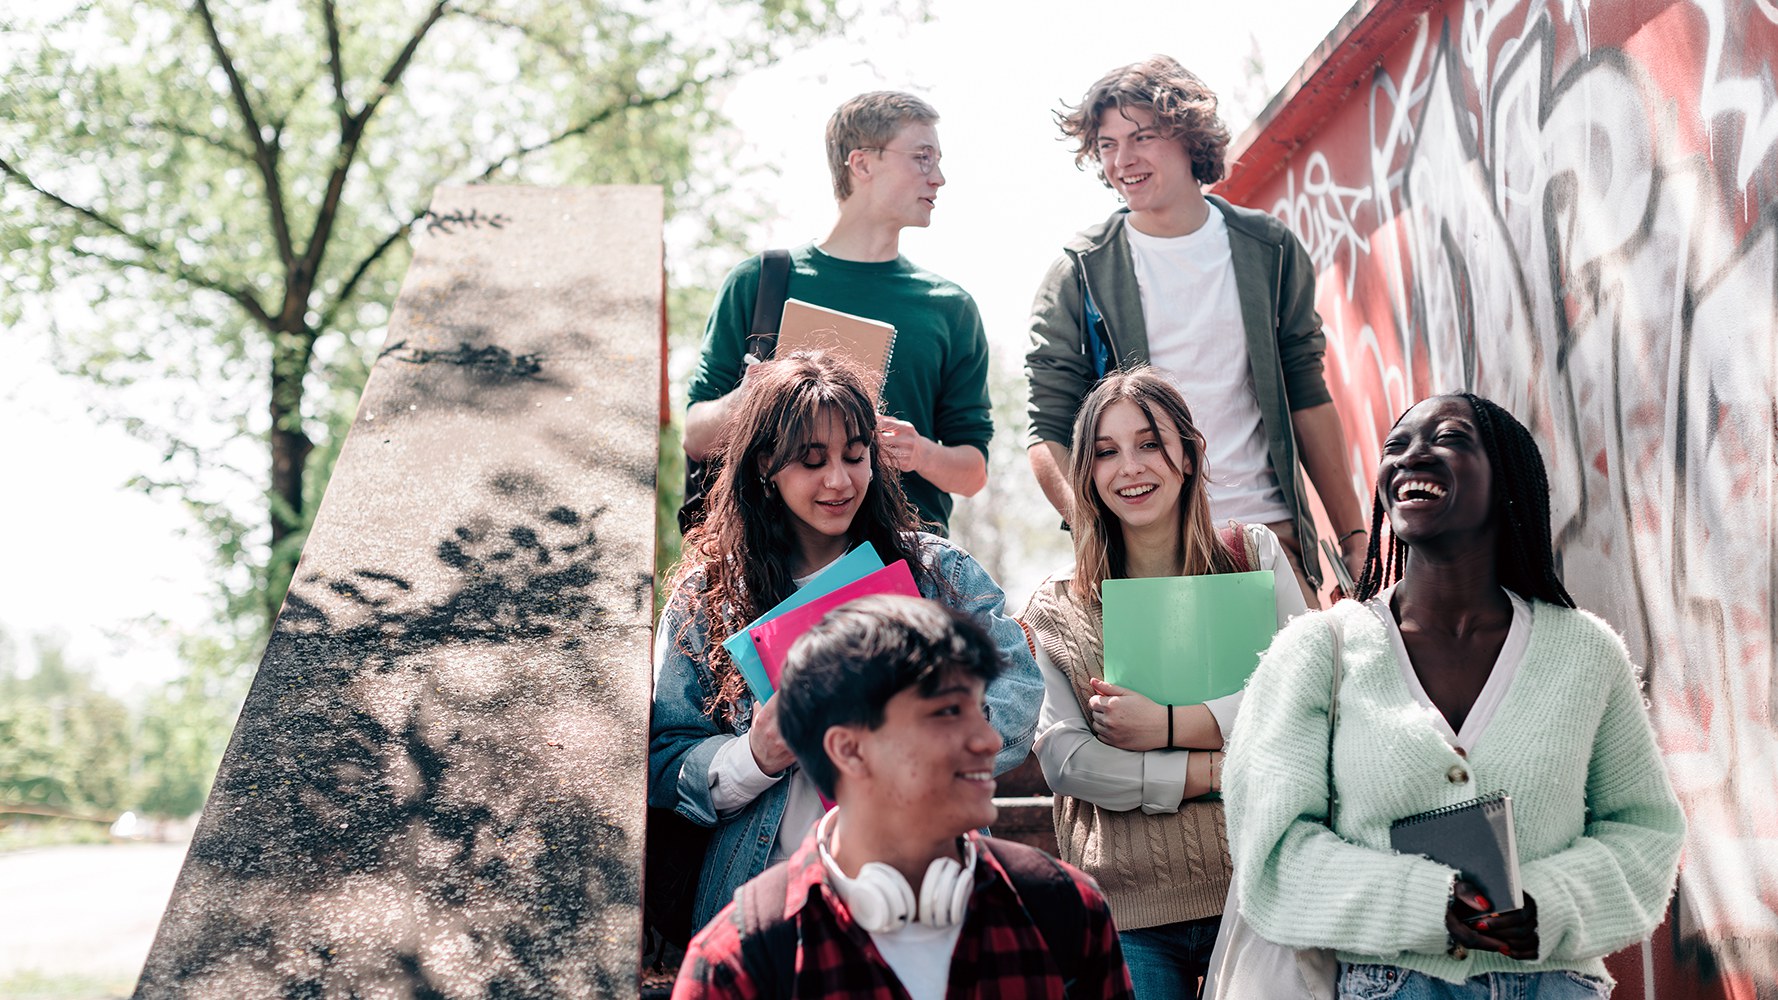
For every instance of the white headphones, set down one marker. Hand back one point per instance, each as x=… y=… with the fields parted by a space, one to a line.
x=881 y=899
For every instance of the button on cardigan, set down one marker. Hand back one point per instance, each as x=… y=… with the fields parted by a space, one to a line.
x=1597 y=824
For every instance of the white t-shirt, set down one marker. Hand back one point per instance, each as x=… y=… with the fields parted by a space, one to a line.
x=919 y=954
x=1193 y=313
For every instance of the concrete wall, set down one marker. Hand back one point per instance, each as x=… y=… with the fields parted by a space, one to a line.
x=436 y=785
x=1570 y=207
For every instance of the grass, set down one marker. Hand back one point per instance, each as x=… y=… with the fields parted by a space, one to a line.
x=27 y=834
x=33 y=985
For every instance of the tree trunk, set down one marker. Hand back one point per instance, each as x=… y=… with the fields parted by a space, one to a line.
x=291 y=351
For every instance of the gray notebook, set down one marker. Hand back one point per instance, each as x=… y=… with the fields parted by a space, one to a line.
x=1474 y=837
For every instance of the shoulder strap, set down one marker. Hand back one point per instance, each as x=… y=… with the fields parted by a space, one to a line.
x=768 y=941
x=1234 y=538
x=1050 y=896
x=1338 y=630
x=768 y=304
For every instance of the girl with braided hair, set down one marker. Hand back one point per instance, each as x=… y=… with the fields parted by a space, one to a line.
x=1465 y=669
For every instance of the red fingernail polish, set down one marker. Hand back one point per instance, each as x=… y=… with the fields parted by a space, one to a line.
x=1481 y=902
x=1481 y=925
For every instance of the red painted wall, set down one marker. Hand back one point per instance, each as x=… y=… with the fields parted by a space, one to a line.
x=1571 y=207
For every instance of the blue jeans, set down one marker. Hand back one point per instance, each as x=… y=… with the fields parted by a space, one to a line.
x=1386 y=982
x=1167 y=961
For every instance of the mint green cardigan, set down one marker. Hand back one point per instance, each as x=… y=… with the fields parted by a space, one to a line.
x=1598 y=827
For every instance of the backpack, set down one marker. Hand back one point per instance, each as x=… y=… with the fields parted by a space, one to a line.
x=1234 y=538
x=769 y=942
x=762 y=341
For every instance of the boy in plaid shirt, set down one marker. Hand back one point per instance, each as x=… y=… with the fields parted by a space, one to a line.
x=894 y=895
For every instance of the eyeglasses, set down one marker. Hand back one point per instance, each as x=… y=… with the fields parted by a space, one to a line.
x=925 y=159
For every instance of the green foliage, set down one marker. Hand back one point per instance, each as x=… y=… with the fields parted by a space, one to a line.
x=64 y=744
x=208 y=201
x=183 y=730
x=68 y=749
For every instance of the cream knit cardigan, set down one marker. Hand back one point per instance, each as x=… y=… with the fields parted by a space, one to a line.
x=1598 y=827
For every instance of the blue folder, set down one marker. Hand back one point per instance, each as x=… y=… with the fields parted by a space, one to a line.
x=854 y=565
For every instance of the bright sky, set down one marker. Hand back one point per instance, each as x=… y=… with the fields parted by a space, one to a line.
x=83 y=557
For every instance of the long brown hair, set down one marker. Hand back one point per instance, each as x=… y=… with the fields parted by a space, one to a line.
x=744 y=547
x=1099 y=552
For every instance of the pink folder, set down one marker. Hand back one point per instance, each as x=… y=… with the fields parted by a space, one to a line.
x=773 y=638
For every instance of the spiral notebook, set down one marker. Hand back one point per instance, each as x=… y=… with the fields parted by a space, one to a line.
x=1474 y=837
x=809 y=327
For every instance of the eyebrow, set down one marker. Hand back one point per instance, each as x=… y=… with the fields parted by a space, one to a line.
x=1144 y=432
x=947 y=692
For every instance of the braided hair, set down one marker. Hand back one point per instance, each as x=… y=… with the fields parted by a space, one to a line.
x=1523 y=557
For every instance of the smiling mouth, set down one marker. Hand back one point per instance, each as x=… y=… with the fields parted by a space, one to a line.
x=835 y=504
x=1133 y=492
x=1131 y=179
x=1412 y=491
x=986 y=777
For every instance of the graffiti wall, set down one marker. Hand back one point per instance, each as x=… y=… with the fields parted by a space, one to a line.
x=1570 y=207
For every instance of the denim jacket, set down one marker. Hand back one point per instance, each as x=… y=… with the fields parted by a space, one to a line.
x=684 y=739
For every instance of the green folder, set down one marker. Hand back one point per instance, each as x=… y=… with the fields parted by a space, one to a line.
x=1182 y=640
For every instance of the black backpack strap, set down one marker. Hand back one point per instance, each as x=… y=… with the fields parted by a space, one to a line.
x=762 y=340
x=768 y=304
x=768 y=941
x=1050 y=896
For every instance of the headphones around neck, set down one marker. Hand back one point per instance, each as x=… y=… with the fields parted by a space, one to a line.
x=881 y=899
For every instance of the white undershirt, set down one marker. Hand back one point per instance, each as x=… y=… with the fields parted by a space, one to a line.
x=919 y=954
x=1500 y=678
x=1195 y=334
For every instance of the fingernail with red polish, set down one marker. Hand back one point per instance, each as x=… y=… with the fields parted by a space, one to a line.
x=1481 y=902
x=1481 y=925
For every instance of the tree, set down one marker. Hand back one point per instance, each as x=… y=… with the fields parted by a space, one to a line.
x=182 y=730
x=215 y=198
x=64 y=744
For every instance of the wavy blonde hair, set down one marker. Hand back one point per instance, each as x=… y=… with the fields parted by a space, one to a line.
x=1099 y=552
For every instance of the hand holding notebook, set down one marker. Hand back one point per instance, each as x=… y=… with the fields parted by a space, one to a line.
x=1474 y=837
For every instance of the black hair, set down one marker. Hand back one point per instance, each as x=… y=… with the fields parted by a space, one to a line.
x=844 y=670
x=1524 y=559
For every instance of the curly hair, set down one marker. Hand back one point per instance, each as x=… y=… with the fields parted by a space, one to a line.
x=743 y=549
x=1524 y=559
x=1184 y=109
x=1099 y=549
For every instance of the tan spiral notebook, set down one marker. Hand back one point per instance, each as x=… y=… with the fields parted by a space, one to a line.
x=808 y=327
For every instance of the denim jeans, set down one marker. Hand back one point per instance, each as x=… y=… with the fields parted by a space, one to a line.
x=1166 y=962
x=1386 y=982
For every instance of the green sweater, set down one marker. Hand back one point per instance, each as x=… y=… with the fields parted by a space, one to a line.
x=938 y=376
x=1597 y=824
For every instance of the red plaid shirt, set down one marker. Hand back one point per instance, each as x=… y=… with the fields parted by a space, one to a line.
x=999 y=953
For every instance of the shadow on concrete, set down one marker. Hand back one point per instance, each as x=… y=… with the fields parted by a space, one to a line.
x=387 y=815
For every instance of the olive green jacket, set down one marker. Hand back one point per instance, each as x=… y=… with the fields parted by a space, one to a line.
x=1276 y=285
